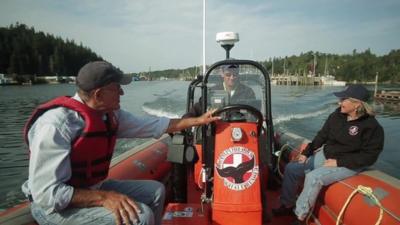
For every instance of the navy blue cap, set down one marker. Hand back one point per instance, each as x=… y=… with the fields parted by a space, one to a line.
x=230 y=66
x=98 y=74
x=356 y=91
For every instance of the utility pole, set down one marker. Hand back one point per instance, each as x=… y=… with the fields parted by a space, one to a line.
x=314 y=64
x=284 y=66
x=376 y=83
x=272 y=71
x=149 y=76
x=326 y=66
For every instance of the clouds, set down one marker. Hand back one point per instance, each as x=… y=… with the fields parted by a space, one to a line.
x=136 y=35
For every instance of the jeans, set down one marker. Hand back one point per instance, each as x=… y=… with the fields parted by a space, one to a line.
x=148 y=194
x=316 y=176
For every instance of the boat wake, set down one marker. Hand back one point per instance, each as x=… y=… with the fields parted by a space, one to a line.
x=159 y=112
x=286 y=118
x=165 y=106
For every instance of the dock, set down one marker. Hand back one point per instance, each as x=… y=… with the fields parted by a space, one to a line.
x=295 y=80
x=388 y=95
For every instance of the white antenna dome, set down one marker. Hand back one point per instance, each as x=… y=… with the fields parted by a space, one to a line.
x=227 y=38
x=227 y=41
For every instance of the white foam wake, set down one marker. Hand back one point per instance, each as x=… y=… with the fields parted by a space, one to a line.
x=277 y=120
x=157 y=112
x=286 y=118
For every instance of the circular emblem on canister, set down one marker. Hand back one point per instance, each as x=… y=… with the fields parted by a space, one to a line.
x=237 y=167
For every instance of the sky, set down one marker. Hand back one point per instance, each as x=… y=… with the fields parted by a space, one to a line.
x=143 y=35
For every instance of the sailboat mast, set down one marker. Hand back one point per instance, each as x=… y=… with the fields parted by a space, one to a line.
x=272 y=67
x=284 y=66
x=314 y=64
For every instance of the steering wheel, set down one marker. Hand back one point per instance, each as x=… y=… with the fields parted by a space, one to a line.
x=235 y=107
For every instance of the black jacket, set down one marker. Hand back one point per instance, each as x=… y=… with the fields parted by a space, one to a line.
x=242 y=92
x=354 y=144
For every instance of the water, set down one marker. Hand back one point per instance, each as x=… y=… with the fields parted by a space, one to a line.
x=297 y=109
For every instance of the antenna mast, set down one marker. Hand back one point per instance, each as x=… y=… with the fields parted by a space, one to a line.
x=204 y=37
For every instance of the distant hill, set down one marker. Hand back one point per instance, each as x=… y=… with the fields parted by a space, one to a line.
x=24 y=51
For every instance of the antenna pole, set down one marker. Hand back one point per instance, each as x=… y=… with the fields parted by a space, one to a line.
x=204 y=37
x=227 y=49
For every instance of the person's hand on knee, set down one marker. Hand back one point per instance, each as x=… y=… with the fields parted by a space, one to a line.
x=301 y=158
x=124 y=208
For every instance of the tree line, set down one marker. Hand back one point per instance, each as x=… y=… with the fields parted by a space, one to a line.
x=23 y=51
x=358 y=66
x=355 y=67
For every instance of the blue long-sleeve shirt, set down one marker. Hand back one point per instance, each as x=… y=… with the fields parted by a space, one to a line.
x=50 y=139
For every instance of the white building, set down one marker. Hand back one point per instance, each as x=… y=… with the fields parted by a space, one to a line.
x=5 y=80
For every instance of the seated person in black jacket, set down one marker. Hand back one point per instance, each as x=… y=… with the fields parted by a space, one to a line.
x=350 y=140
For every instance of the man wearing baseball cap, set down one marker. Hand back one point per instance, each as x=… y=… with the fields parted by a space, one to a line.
x=237 y=91
x=71 y=141
x=232 y=84
x=350 y=140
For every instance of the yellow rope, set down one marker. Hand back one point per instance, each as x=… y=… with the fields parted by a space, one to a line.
x=369 y=193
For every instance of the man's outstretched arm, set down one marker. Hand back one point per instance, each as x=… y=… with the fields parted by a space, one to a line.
x=180 y=124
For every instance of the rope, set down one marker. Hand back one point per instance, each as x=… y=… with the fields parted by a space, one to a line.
x=284 y=147
x=200 y=179
x=310 y=213
x=384 y=209
x=365 y=191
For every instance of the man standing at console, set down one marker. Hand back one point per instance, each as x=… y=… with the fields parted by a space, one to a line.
x=231 y=84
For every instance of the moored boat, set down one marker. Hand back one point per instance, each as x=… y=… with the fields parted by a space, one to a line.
x=329 y=80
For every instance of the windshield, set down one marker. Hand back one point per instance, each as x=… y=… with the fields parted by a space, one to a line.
x=236 y=84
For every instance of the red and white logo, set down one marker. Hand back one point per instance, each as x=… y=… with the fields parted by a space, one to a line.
x=237 y=166
x=353 y=130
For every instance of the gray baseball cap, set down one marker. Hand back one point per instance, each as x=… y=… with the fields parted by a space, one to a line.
x=230 y=67
x=98 y=74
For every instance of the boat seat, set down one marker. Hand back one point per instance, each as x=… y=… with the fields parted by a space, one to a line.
x=379 y=175
x=21 y=215
x=336 y=196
